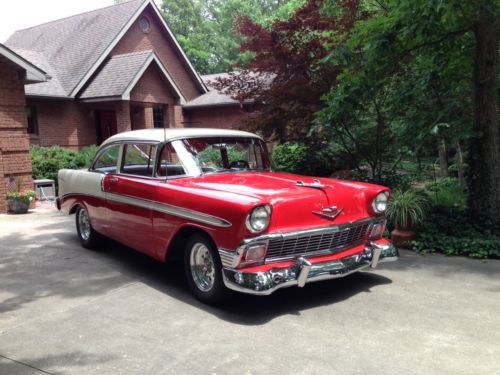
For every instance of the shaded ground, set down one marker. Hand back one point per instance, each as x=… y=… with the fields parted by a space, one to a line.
x=64 y=309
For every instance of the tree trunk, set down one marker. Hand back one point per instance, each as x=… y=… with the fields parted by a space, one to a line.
x=460 y=165
x=443 y=158
x=378 y=141
x=484 y=184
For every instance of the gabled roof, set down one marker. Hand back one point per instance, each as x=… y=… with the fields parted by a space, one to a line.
x=75 y=47
x=33 y=72
x=121 y=73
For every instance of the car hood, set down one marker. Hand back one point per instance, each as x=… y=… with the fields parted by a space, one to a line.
x=295 y=204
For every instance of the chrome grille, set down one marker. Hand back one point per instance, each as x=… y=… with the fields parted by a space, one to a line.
x=325 y=242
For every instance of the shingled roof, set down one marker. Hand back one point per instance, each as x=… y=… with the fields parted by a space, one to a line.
x=72 y=48
x=120 y=74
x=72 y=45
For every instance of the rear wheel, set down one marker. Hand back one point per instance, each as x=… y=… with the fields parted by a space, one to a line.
x=89 y=238
x=204 y=270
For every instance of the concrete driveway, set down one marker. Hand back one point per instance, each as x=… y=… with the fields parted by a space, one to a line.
x=67 y=310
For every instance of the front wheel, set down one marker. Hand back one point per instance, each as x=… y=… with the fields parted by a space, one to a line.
x=89 y=238
x=204 y=270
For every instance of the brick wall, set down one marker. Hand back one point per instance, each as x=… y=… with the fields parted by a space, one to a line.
x=157 y=39
x=123 y=122
x=63 y=122
x=14 y=141
x=151 y=90
x=230 y=117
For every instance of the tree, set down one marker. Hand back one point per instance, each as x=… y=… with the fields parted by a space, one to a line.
x=286 y=77
x=422 y=57
x=205 y=28
x=484 y=188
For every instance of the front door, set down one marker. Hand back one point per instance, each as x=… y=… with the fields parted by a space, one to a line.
x=106 y=126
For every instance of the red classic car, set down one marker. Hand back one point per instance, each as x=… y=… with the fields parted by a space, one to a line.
x=210 y=197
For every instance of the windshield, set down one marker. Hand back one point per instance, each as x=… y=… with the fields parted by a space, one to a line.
x=215 y=155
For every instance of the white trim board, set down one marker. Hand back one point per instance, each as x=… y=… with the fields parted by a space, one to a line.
x=33 y=73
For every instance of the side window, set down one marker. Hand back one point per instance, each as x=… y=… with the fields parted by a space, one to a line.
x=139 y=159
x=169 y=163
x=107 y=160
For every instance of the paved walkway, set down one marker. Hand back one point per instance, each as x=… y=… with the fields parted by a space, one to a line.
x=67 y=310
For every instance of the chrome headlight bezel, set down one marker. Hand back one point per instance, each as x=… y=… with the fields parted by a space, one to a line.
x=379 y=203
x=259 y=213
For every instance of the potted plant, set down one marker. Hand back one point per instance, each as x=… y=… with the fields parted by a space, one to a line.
x=18 y=201
x=406 y=209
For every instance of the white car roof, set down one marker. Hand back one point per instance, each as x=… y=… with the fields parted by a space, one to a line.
x=160 y=135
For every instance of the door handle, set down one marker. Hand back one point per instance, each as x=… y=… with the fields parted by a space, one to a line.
x=113 y=180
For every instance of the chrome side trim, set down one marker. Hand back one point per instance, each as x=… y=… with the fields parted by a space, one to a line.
x=303 y=271
x=162 y=207
x=170 y=210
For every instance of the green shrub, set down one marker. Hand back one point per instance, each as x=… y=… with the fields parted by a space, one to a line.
x=302 y=159
x=85 y=156
x=47 y=161
x=387 y=178
x=451 y=231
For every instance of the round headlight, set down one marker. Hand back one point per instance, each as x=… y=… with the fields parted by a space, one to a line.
x=258 y=219
x=379 y=204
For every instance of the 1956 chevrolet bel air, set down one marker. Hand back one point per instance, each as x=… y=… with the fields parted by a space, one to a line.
x=210 y=197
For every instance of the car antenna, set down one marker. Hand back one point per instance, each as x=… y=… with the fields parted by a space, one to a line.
x=164 y=146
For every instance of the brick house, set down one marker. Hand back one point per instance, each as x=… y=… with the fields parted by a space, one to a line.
x=15 y=73
x=114 y=69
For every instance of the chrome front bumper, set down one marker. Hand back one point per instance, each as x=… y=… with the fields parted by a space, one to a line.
x=304 y=271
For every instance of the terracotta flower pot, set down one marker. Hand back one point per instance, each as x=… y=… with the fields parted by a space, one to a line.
x=401 y=238
x=18 y=205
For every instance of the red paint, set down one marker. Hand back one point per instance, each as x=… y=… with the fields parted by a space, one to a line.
x=229 y=196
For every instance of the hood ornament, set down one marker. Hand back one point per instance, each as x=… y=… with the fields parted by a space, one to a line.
x=329 y=213
x=315 y=185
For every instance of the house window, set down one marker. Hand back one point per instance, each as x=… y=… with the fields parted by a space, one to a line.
x=32 y=120
x=158 y=117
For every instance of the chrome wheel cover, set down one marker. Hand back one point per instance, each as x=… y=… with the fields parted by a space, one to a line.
x=202 y=267
x=84 y=224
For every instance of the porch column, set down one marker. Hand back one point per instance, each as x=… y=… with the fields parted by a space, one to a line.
x=177 y=120
x=123 y=122
x=3 y=190
x=148 y=116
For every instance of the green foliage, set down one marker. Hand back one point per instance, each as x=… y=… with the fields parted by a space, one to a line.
x=389 y=178
x=290 y=157
x=452 y=231
x=446 y=192
x=407 y=209
x=302 y=159
x=47 y=161
x=211 y=156
x=85 y=156
x=205 y=28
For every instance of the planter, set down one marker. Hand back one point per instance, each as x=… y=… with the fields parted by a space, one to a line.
x=401 y=238
x=18 y=205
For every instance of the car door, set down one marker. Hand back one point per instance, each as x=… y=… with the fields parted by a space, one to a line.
x=129 y=197
x=104 y=166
